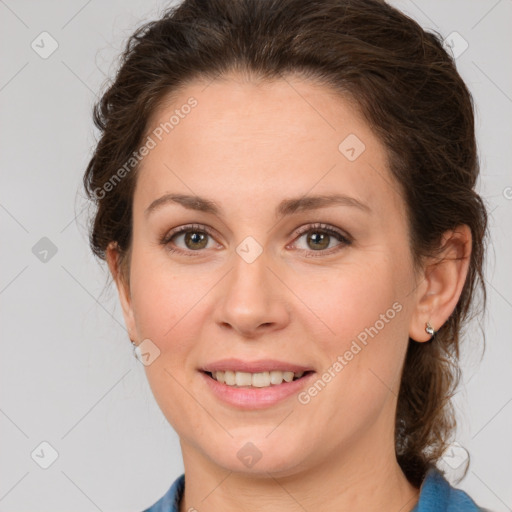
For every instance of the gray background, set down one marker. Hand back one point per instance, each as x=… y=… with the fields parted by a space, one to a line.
x=68 y=376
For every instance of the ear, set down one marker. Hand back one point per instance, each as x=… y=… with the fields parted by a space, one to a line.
x=441 y=283
x=123 y=288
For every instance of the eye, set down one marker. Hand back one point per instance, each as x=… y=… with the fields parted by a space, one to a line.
x=320 y=238
x=194 y=237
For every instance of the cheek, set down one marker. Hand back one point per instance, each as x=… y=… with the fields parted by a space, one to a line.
x=161 y=295
x=166 y=307
x=363 y=309
x=349 y=298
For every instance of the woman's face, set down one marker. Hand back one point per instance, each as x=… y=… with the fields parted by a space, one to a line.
x=262 y=281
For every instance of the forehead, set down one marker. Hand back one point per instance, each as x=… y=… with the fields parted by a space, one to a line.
x=263 y=141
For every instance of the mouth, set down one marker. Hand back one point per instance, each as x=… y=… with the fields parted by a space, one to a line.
x=264 y=379
x=255 y=385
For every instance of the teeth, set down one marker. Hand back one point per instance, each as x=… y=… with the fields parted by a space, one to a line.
x=257 y=380
x=229 y=378
x=276 y=377
x=243 y=379
x=288 y=376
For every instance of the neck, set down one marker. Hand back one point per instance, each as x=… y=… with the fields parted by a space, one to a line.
x=352 y=480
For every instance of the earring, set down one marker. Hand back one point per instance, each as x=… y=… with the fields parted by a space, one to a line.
x=430 y=330
x=134 y=346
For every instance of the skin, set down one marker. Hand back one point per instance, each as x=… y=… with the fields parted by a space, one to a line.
x=248 y=145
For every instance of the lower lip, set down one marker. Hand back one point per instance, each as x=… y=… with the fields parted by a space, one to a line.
x=256 y=398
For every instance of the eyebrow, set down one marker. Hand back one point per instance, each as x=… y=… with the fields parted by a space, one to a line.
x=285 y=207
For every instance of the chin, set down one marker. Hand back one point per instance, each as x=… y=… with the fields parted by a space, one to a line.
x=258 y=455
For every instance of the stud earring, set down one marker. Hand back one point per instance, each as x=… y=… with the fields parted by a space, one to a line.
x=134 y=347
x=430 y=330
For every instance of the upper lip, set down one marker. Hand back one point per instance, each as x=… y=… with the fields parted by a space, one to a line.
x=261 y=365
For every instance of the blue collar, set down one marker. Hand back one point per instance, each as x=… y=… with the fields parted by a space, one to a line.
x=437 y=495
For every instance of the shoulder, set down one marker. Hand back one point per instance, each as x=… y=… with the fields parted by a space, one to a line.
x=437 y=495
x=170 y=501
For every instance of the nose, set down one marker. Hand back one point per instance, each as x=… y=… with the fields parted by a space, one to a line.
x=252 y=300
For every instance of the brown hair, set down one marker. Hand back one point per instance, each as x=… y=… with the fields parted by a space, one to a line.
x=406 y=86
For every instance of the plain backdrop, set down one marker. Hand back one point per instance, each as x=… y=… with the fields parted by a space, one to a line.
x=68 y=376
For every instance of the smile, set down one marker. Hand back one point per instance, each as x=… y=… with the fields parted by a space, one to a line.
x=255 y=380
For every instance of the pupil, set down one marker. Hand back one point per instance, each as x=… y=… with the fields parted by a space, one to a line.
x=319 y=238
x=195 y=238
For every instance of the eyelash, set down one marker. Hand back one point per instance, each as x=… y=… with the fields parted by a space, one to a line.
x=318 y=227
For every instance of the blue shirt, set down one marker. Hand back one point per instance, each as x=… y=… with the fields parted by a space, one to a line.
x=436 y=495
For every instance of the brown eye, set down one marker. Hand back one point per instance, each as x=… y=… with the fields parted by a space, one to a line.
x=195 y=240
x=188 y=239
x=318 y=240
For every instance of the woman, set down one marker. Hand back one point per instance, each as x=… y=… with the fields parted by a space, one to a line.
x=285 y=199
